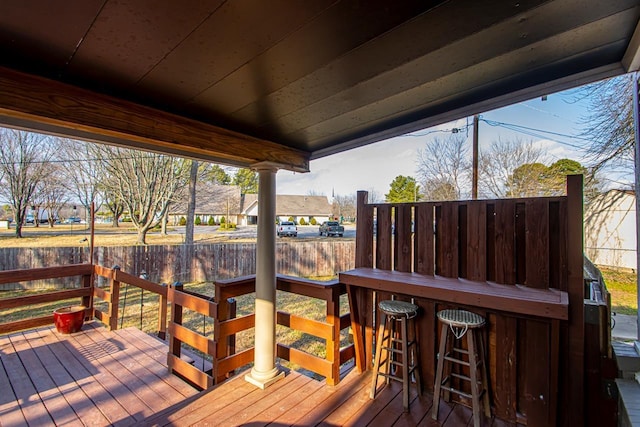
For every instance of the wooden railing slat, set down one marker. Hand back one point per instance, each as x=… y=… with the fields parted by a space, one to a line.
x=312 y=327
x=41 y=298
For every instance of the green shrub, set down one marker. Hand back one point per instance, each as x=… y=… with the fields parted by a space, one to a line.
x=222 y=220
x=198 y=220
x=302 y=221
x=292 y=220
x=182 y=221
x=313 y=221
x=211 y=221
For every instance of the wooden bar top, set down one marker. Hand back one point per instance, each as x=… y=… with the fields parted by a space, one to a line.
x=522 y=300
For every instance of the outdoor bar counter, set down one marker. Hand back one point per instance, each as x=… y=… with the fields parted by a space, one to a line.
x=537 y=314
x=516 y=262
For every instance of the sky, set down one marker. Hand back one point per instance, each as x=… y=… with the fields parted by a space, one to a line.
x=374 y=167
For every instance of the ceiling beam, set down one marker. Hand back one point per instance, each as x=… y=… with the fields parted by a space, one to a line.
x=631 y=59
x=48 y=106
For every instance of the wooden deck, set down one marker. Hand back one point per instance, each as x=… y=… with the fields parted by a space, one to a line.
x=98 y=377
x=92 y=378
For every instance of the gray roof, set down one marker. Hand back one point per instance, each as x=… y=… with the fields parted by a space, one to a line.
x=212 y=200
x=295 y=205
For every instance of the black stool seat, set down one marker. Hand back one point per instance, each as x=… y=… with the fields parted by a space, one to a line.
x=397 y=351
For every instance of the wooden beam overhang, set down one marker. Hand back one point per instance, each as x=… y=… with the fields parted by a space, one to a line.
x=48 y=106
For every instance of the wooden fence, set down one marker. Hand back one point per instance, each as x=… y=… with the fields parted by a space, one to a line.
x=164 y=263
x=535 y=243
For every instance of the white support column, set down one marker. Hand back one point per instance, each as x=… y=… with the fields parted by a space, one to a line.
x=264 y=371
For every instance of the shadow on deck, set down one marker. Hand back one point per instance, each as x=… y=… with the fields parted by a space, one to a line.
x=98 y=377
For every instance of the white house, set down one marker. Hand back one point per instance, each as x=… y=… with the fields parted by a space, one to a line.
x=289 y=206
x=610 y=229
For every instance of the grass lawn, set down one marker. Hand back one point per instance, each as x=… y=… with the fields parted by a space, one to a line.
x=623 y=288
x=65 y=235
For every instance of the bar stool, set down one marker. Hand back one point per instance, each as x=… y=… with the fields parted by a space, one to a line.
x=458 y=323
x=397 y=358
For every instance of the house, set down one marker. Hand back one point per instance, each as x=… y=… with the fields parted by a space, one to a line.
x=609 y=229
x=212 y=201
x=303 y=209
x=225 y=201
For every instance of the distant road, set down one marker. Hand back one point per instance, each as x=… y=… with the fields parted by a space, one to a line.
x=251 y=231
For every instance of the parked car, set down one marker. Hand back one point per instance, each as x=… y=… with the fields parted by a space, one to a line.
x=287 y=228
x=331 y=228
x=72 y=219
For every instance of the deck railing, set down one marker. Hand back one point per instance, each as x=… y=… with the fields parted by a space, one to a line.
x=221 y=311
x=329 y=330
x=84 y=292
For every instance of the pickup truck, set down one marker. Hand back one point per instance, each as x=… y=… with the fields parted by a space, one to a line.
x=287 y=228
x=331 y=228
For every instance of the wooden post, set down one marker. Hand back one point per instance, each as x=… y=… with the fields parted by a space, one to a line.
x=176 y=317
x=87 y=301
x=575 y=391
x=162 y=315
x=333 y=344
x=474 y=179
x=231 y=340
x=114 y=303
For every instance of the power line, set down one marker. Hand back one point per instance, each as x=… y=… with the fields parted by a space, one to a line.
x=537 y=133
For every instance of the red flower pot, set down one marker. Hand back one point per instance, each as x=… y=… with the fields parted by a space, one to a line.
x=69 y=319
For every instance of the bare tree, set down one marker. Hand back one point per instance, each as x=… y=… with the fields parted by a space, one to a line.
x=443 y=167
x=145 y=182
x=82 y=177
x=498 y=163
x=54 y=193
x=344 y=206
x=609 y=124
x=23 y=161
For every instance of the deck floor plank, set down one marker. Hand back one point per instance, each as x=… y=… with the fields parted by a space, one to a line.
x=52 y=398
x=129 y=360
x=110 y=372
x=109 y=378
x=295 y=401
x=104 y=396
x=34 y=411
x=10 y=412
x=153 y=348
x=82 y=405
x=265 y=408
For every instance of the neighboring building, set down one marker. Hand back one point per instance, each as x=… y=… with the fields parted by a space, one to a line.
x=289 y=206
x=212 y=201
x=219 y=201
x=610 y=229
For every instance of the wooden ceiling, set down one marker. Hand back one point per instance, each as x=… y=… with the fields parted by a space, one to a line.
x=284 y=81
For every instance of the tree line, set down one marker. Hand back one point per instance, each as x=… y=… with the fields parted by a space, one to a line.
x=520 y=168
x=44 y=173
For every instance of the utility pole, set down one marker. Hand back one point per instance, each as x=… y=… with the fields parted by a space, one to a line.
x=636 y=123
x=474 y=179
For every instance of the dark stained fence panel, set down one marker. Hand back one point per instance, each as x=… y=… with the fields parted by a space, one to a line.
x=403 y=252
x=424 y=239
x=447 y=239
x=504 y=237
x=384 y=253
x=537 y=241
x=476 y=246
